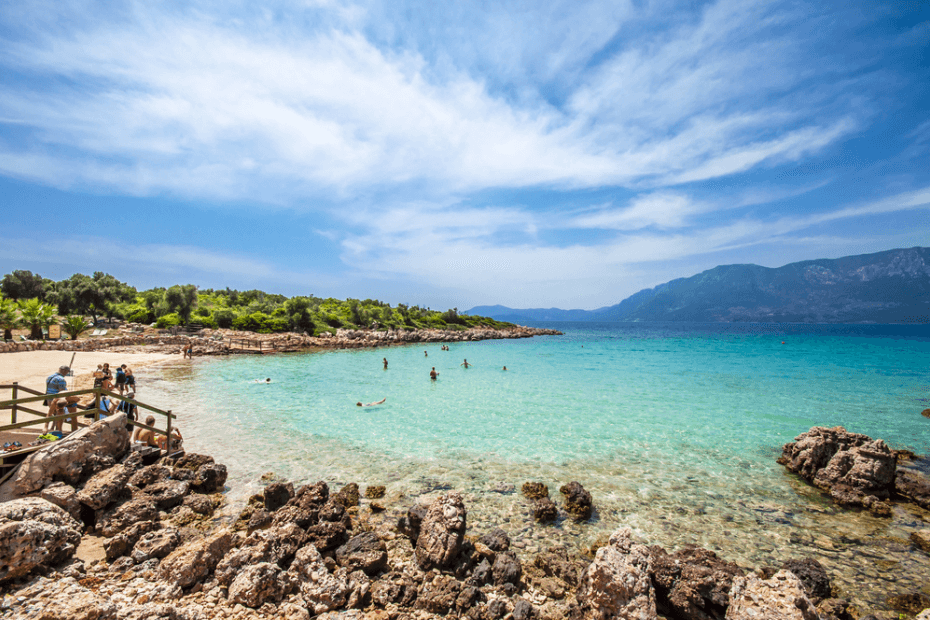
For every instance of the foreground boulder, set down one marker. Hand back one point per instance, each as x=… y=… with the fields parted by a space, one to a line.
x=692 y=583
x=441 y=533
x=780 y=598
x=617 y=583
x=578 y=501
x=70 y=459
x=191 y=562
x=33 y=533
x=851 y=467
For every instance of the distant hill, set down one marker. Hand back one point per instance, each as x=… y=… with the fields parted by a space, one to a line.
x=885 y=287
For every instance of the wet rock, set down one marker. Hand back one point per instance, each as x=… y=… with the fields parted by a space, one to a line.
x=836 y=609
x=347 y=495
x=125 y=515
x=881 y=509
x=157 y=544
x=782 y=597
x=166 y=494
x=535 y=490
x=259 y=520
x=921 y=538
x=438 y=595
x=122 y=543
x=507 y=568
x=320 y=590
x=852 y=468
x=909 y=603
x=577 y=501
x=365 y=552
x=442 y=532
x=105 y=488
x=327 y=536
x=69 y=461
x=496 y=540
x=149 y=475
x=277 y=495
x=812 y=575
x=374 y=492
x=64 y=496
x=692 y=582
x=617 y=583
x=545 y=510
x=209 y=479
x=925 y=413
x=410 y=523
x=34 y=533
x=194 y=560
x=394 y=588
x=913 y=486
x=258 y=584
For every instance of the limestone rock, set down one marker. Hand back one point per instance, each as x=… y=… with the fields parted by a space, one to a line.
x=617 y=583
x=327 y=536
x=374 y=492
x=258 y=584
x=33 y=533
x=395 y=588
x=692 y=582
x=80 y=605
x=347 y=495
x=320 y=590
x=921 y=538
x=201 y=504
x=410 y=523
x=507 y=568
x=149 y=475
x=194 y=560
x=67 y=459
x=156 y=544
x=545 y=510
x=277 y=495
x=780 y=598
x=812 y=575
x=496 y=540
x=64 y=496
x=104 y=488
x=913 y=485
x=365 y=552
x=535 y=490
x=166 y=494
x=122 y=543
x=441 y=532
x=577 y=501
x=210 y=478
x=134 y=511
x=439 y=594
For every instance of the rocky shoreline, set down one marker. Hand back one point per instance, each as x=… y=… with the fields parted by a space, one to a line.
x=224 y=342
x=299 y=552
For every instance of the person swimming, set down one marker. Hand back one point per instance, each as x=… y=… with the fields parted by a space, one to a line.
x=359 y=404
x=268 y=380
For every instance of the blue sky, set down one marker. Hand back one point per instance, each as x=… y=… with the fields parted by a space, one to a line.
x=457 y=154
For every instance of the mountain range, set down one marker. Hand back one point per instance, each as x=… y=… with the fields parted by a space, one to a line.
x=885 y=287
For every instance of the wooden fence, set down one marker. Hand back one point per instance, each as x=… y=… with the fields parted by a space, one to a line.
x=17 y=405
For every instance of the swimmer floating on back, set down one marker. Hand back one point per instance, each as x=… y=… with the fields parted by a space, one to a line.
x=268 y=380
x=359 y=404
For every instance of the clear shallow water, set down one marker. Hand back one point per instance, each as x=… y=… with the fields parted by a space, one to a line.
x=673 y=428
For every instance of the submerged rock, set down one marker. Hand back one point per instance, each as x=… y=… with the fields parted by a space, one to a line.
x=347 y=495
x=441 y=533
x=535 y=490
x=374 y=492
x=692 y=582
x=812 y=575
x=545 y=510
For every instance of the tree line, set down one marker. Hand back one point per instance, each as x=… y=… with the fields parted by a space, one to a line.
x=32 y=302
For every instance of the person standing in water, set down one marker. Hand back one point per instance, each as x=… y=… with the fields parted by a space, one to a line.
x=466 y=364
x=425 y=354
x=385 y=362
x=433 y=374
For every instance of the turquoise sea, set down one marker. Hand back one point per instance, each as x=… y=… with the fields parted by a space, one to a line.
x=674 y=428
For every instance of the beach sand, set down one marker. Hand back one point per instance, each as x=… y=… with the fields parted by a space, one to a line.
x=31 y=368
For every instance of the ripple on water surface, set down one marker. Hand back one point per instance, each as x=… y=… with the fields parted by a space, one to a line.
x=674 y=430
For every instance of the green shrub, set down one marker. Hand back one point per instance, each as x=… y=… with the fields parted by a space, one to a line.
x=224 y=317
x=168 y=320
x=207 y=321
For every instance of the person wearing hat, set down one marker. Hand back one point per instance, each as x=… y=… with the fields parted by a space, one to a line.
x=57 y=383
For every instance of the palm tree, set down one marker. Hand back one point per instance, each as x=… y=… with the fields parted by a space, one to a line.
x=8 y=319
x=75 y=325
x=36 y=316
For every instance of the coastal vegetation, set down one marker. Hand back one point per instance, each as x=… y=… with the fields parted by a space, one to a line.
x=29 y=300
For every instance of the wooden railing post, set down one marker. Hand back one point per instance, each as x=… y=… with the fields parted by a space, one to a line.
x=15 y=396
x=97 y=404
x=168 y=443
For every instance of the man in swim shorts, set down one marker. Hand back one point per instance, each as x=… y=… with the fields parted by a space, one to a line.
x=465 y=364
x=433 y=374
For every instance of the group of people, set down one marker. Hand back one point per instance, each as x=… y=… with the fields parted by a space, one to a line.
x=125 y=380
